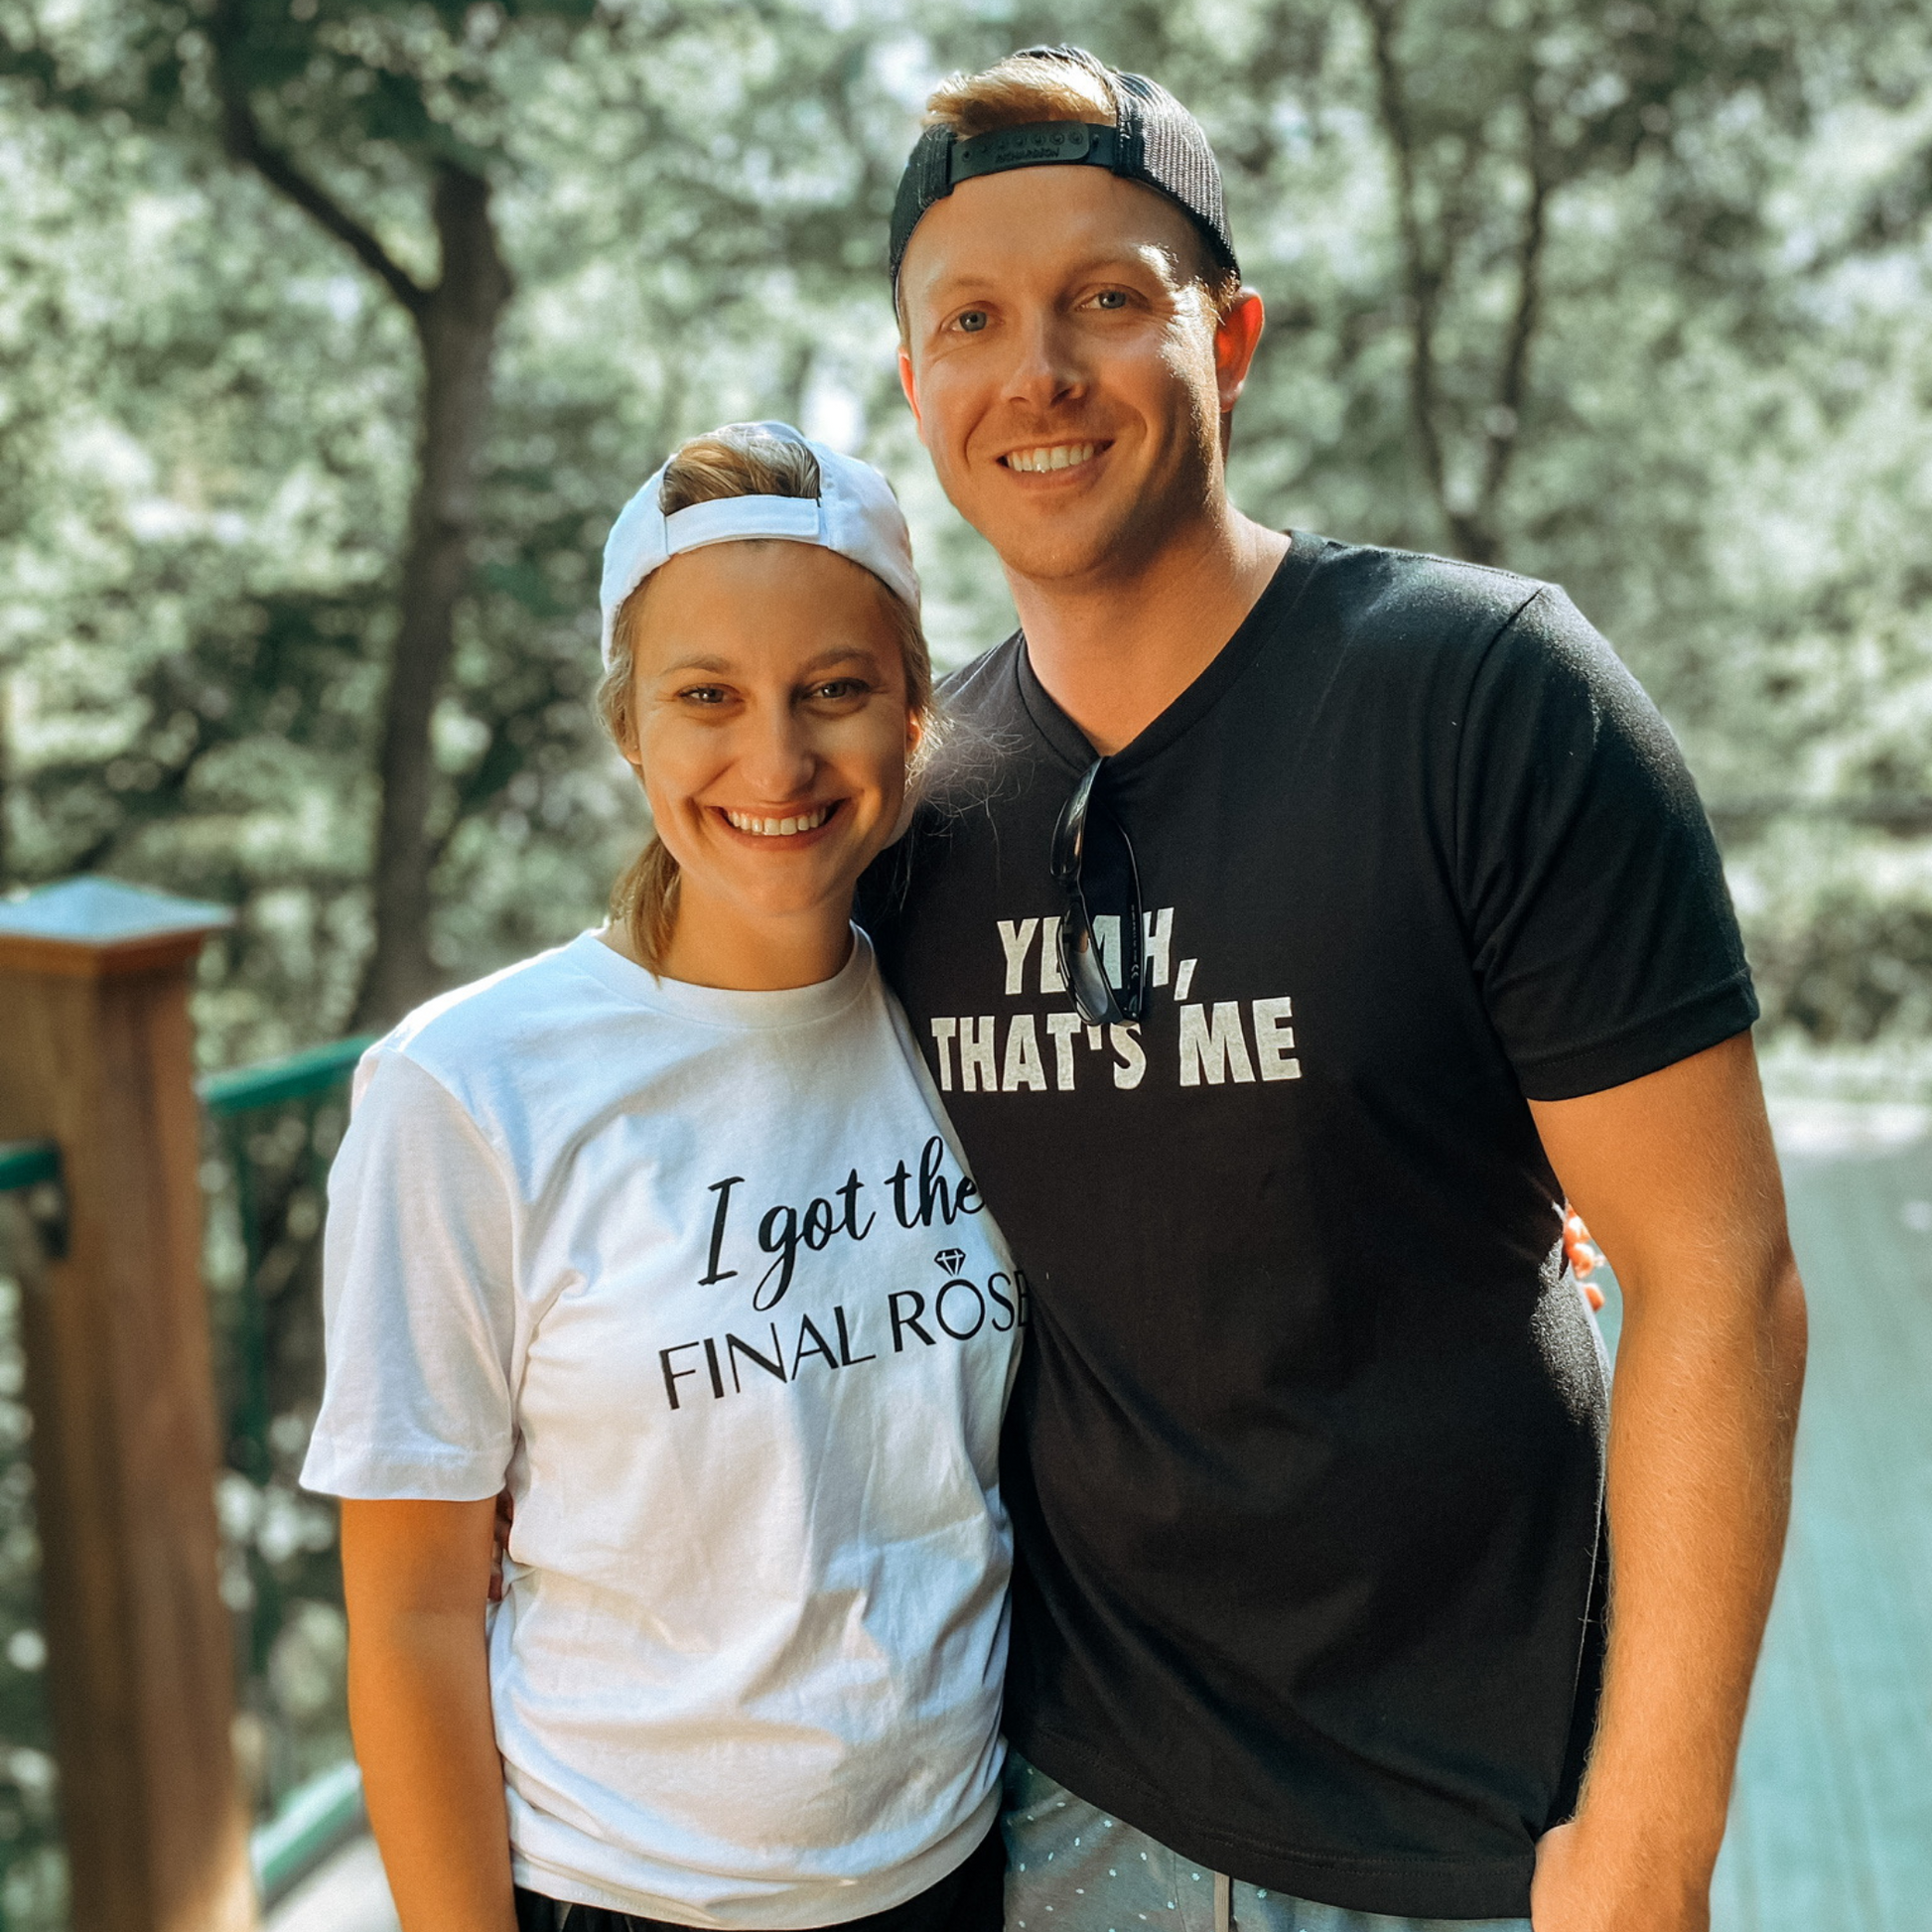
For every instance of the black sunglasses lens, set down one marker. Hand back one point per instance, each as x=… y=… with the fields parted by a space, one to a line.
x=1071 y=832
x=1085 y=974
x=1083 y=965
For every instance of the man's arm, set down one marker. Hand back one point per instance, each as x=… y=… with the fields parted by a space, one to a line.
x=414 y=1576
x=1677 y=1177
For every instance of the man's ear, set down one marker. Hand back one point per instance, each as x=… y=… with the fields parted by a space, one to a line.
x=908 y=383
x=1236 y=336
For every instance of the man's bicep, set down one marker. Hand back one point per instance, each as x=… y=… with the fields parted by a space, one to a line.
x=1675 y=1172
x=1591 y=890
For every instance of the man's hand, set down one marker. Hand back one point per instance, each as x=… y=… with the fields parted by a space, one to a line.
x=1584 y=1887
x=499 y=1546
x=1677 y=1177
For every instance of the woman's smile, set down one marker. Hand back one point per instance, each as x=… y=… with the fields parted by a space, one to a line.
x=792 y=826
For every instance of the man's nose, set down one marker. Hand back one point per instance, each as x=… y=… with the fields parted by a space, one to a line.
x=1047 y=370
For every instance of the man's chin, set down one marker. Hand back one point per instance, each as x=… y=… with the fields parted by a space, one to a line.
x=1046 y=550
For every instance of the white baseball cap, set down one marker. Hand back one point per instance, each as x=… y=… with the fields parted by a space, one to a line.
x=854 y=513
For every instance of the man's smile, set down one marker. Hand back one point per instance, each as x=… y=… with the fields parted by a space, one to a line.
x=1051 y=456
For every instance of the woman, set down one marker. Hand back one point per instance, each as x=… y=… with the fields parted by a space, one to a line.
x=665 y=1230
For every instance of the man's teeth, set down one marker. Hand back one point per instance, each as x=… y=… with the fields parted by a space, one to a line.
x=780 y=828
x=1059 y=456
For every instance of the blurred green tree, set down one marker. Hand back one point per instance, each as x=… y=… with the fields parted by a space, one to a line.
x=320 y=98
x=1618 y=294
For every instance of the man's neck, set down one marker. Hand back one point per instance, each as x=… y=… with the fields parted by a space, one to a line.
x=1115 y=650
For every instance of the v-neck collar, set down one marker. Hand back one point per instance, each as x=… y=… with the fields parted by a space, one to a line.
x=1270 y=610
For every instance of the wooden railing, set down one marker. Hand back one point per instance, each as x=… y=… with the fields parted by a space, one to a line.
x=158 y=1627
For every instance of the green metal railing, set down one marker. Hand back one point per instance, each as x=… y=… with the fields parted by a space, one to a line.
x=273 y=1130
x=33 y=1864
x=28 y=1164
x=290 y=1092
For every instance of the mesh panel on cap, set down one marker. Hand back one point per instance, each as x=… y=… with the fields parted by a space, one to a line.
x=1161 y=144
x=1174 y=156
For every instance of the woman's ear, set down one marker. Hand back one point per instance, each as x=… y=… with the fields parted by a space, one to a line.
x=915 y=733
x=622 y=722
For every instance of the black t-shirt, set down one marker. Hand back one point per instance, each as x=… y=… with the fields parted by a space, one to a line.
x=1306 y=1456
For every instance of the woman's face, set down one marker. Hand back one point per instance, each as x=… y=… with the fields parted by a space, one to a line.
x=772 y=724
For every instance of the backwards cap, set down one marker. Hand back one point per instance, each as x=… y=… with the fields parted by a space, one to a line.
x=1153 y=140
x=854 y=513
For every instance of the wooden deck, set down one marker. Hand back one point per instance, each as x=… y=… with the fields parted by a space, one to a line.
x=1832 y=1830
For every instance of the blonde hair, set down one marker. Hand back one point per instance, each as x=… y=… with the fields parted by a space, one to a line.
x=739 y=461
x=1020 y=90
x=1028 y=87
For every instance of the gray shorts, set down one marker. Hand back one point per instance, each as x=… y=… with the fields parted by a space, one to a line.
x=1072 y=1869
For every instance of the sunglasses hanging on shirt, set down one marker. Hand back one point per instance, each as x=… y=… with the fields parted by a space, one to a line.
x=1084 y=840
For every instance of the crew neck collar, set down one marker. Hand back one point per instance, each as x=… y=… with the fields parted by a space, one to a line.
x=726 y=1007
x=1268 y=611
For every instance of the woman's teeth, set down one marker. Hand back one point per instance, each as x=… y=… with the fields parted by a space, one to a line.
x=1059 y=456
x=779 y=828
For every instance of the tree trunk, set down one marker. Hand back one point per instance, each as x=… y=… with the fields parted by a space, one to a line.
x=457 y=326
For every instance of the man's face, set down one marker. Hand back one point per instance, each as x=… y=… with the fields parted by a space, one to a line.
x=1061 y=361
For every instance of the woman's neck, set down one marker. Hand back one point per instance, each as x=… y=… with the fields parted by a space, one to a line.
x=717 y=944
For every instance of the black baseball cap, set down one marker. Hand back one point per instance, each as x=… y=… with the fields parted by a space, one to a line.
x=1153 y=140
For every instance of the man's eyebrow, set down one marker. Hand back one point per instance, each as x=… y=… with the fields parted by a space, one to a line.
x=972 y=280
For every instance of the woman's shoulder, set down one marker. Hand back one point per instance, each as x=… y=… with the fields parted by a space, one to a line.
x=524 y=1038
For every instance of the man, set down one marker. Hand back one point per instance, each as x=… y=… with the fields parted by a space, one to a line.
x=1292 y=925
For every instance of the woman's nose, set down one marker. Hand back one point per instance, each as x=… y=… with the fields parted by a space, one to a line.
x=778 y=760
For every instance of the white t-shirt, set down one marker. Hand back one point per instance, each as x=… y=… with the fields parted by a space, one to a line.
x=701 y=1274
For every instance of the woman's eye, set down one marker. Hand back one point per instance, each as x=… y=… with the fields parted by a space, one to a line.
x=972 y=321
x=835 y=689
x=703 y=694
x=1111 y=299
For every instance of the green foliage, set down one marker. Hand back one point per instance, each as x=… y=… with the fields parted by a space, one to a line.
x=1693 y=388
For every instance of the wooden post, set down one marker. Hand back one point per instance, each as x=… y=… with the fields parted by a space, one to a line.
x=97 y=1055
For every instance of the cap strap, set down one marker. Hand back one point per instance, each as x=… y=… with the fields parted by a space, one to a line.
x=1037 y=144
x=727 y=518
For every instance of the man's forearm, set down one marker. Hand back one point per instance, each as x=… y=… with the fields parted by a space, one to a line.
x=1699 y=1482
x=419 y=1705
x=1677 y=1177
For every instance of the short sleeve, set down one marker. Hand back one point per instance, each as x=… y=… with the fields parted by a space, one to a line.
x=1600 y=927
x=418 y=1300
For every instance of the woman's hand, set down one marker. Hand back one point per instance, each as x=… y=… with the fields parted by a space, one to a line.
x=415 y=1577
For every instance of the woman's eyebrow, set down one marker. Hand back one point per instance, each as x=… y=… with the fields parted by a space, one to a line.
x=835 y=655
x=843 y=654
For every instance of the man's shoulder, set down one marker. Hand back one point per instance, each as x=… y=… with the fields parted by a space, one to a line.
x=986 y=741
x=987 y=688
x=1408 y=599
